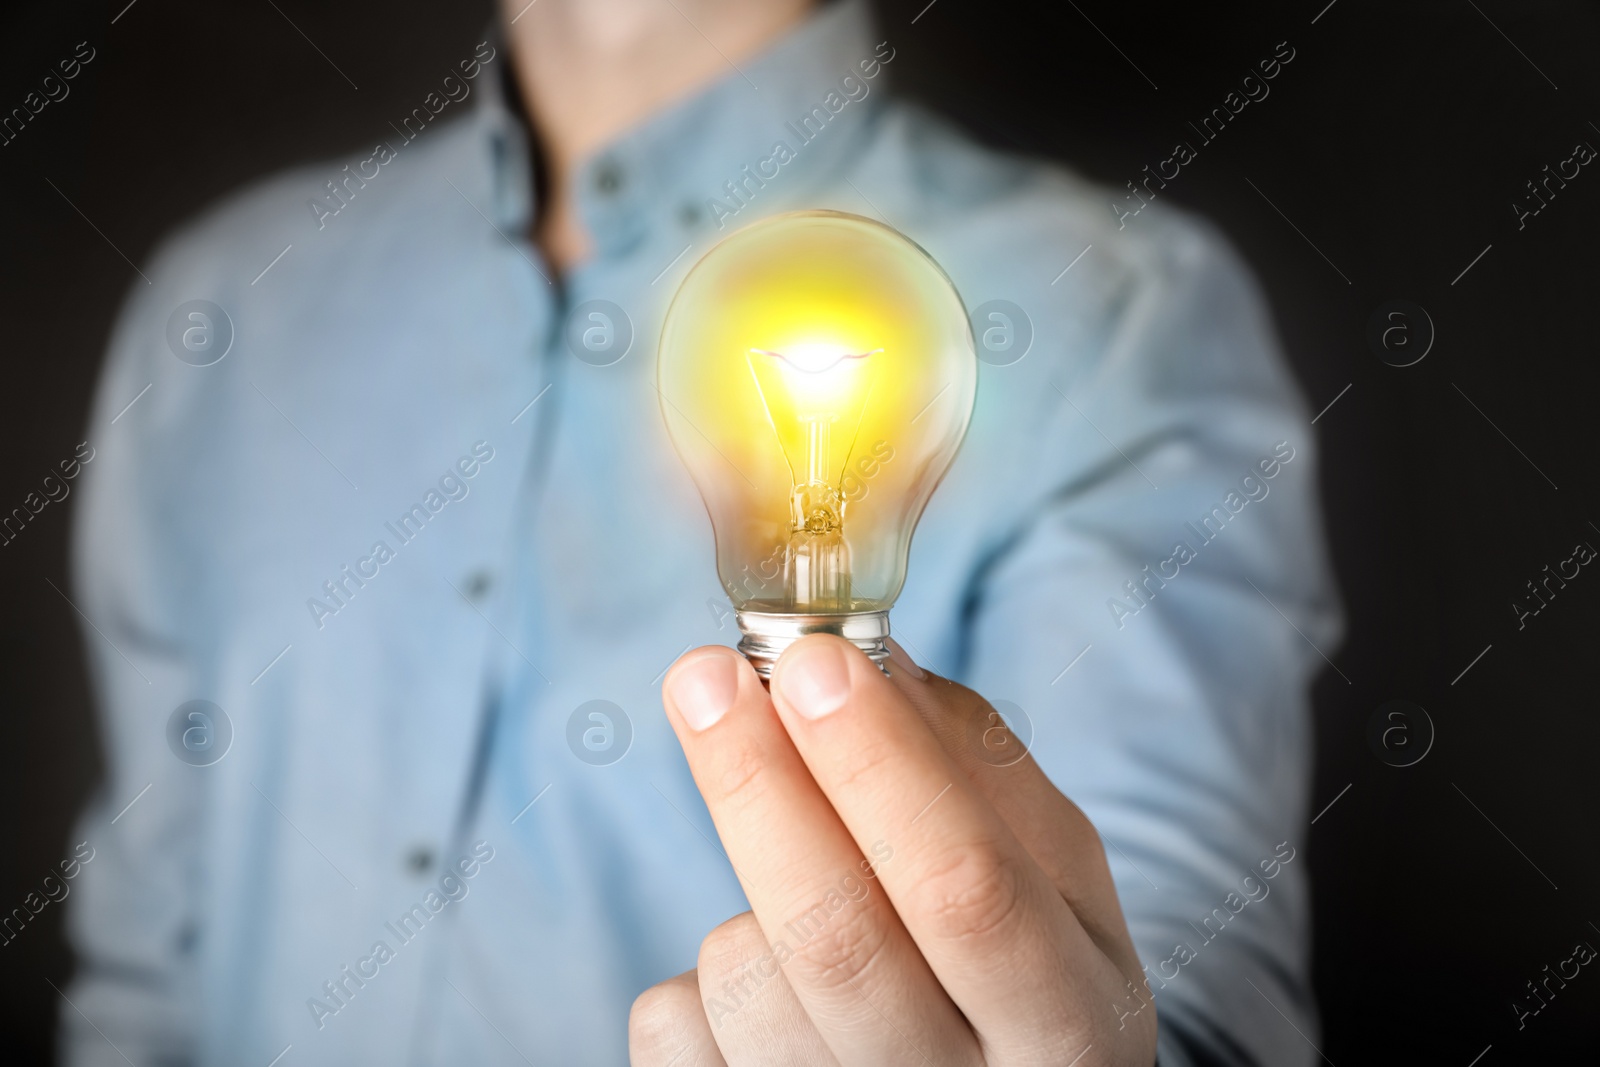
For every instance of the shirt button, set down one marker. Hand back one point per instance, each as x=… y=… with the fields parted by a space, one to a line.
x=419 y=860
x=478 y=584
x=608 y=177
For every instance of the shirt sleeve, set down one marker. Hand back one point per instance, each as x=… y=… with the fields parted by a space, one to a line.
x=1156 y=611
x=132 y=919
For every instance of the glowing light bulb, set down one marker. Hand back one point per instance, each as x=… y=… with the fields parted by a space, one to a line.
x=817 y=374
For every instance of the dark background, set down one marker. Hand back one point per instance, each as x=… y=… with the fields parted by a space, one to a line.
x=1396 y=141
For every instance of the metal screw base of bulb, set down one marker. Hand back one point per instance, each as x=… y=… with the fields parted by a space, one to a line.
x=767 y=634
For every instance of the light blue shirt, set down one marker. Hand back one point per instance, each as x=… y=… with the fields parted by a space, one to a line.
x=403 y=536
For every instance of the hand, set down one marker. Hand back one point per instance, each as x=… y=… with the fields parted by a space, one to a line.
x=912 y=903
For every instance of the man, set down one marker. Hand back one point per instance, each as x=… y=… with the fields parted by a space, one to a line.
x=420 y=537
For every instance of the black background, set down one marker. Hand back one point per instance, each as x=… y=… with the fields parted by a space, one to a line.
x=1397 y=141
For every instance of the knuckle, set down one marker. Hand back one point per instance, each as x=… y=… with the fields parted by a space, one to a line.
x=963 y=702
x=840 y=947
x=731 y=945
x=869 y=765
x=659 y=1022
x=971 y=893
x=738 y=777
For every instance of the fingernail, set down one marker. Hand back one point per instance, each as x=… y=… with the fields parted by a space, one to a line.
x=704 y=689
x=815 y=679
x=902 y=660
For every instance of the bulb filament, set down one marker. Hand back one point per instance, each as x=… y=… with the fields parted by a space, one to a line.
x=817 y=557
x=814 y=359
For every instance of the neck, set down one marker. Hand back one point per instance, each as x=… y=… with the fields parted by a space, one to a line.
x=589 y=70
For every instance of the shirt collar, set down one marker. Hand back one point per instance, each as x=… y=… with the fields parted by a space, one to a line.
x=673 y=170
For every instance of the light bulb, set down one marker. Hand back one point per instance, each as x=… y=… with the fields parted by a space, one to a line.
x=817 y=374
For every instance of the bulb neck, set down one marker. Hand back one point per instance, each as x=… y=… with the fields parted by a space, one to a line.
x=767 y=634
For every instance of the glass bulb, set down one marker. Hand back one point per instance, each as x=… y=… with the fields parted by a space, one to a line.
x=817 y=374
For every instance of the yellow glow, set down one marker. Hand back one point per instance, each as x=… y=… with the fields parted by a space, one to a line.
x=817 y=374
x=819 y=388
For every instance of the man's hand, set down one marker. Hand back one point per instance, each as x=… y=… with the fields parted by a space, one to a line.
x=912 y=903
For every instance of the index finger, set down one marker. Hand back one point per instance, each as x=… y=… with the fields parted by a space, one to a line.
x=987 y=918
